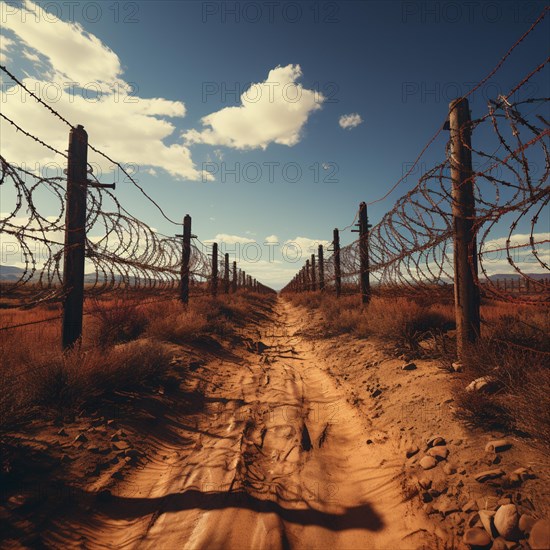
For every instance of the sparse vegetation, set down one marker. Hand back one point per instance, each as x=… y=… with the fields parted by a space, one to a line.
x=125 y=343
x=514 y=350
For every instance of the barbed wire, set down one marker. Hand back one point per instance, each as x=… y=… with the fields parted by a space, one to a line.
x=410 y=249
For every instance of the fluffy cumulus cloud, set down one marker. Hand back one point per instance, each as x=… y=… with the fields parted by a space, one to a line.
x=350 y=121
x=273 y=111
x=127 y=127
x=495 y=259
x=306 y=245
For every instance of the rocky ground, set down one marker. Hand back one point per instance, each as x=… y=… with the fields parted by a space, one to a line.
x=276 y=438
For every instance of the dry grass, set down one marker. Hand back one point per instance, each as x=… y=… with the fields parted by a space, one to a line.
x=514 y=349
x=397 y=321
x=123 y=345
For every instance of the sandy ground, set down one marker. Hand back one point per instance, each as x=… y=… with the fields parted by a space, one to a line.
x=286 y=440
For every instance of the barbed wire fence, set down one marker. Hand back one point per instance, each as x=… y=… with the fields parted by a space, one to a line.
x=439 y=236
x=92 y=245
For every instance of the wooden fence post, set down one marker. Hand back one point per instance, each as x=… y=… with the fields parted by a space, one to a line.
x=308 y=276
x=75 y=237
x=321 y=267
x=234 y=281
x=226 y=274
x=214 y=288
x=466 y=292
x=364 y=252
x=185 y=256
x=313 y=274
x=337 y=271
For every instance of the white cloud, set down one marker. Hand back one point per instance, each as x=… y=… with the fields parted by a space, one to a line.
x=229 y=239
x=306 y=245
x=350 y=121
x=5 y=46
x=495 y=261
x=128 y=128
x=273 y=111
x=272 y=239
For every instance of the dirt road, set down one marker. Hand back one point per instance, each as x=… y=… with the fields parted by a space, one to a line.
x=275 y=457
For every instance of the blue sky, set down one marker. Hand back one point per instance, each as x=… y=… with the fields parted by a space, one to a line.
x=394 y=64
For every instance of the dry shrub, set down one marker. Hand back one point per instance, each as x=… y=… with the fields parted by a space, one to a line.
x=117 y=320
x=513 y=350
x=176 y=323
x=396 y=320
x=63 y=381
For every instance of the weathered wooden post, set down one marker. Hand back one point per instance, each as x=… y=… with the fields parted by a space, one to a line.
x=226 y=274
x=337 y=271
x=321 y=263
x=234 y=280
x=214 y=288
x=313 y=274
x=364 y=252
x=185 y=257
x=466 y=292
x=75 y=237
x=243 y=279
x=308 y=276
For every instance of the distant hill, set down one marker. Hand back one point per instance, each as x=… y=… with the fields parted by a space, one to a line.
x=10 y=273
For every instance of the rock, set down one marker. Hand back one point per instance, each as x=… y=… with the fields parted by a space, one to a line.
x=411 y=451
x=115 y=437
x=476 y=537
x=376 y=393
x=449 y=470
x=428 y=462
x=499 y=544
x=425 y=483
x=504 y=501
x=439 y=485
x=482 y=477
x=470 y=506
x=539 y=537
x=526 y=523
x=506 y=520
x=408 y=366
x=457 y=366
x=497 y=446
x=473 y=520
x=485 y=384
x=523 y=473
x=80 y=438
x=446 y=506
x=486 y=518
x=435 y=440
x=439 y=452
